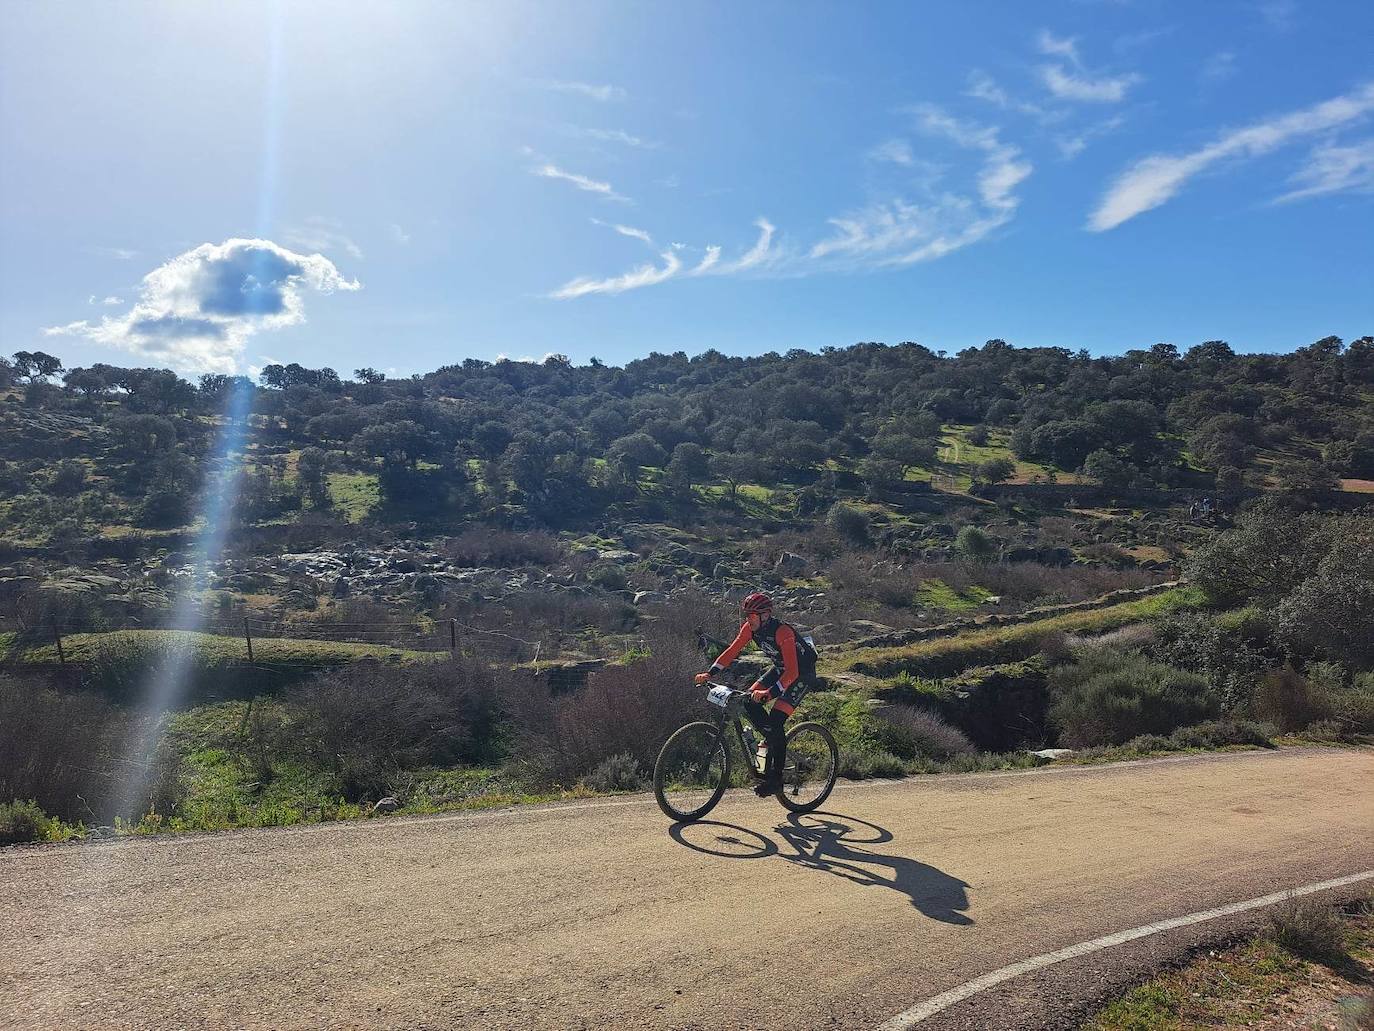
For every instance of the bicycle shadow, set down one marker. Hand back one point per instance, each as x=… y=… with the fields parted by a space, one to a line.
x=828 y=842
x=825 y=841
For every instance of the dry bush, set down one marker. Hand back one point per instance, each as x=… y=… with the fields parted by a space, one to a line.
x=70 y=752
x=908 y=731
x=1285 y=698
x=371 y=721
x=627 y=710
x=1309 y=929
x=488 y=546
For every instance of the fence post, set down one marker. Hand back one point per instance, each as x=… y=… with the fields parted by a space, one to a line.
x=453 y=638
x=248 y=637
x=57 y=637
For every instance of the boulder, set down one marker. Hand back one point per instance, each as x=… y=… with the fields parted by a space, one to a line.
x=650 y=598
x=790 y=564
x=386 y=805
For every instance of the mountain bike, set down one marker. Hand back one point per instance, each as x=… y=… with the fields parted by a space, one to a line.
x=695 y=765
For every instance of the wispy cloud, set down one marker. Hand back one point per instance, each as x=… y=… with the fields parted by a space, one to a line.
x=612 y=136
x=1072 y=144
x=644 y=275
x=759 y=254
x=196 y=312
x=711 y=259
x=322 y=234
x=596 y=91
x=1077 y=83
x=1332 y=168
x=1278 y=15
x=582 y=182
x=630 y=231
x=982 y=86
x=898 y=152
x=1056 y=46
x=1218 y=67
x=1067 y=85
x=398 y=234
x=109 y=301
x=1155 y=179
x=118 y=253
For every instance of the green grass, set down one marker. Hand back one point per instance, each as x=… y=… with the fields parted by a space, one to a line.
x=936 y=594
x=119 y=663
x=946 y=655
x=354 y=495
x=1241 y=986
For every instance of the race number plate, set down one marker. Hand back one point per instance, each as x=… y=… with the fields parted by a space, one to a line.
x=719 y=695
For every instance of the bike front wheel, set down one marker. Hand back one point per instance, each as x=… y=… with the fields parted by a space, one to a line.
x=813 y=763
x=692 y=772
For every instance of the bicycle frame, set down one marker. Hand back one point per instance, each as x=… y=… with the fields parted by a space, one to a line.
x=732 y=713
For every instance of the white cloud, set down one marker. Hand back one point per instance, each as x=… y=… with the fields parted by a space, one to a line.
x=398 y=234
x=322 y=234
x=1071 y=145
x=896 y=151
x=630 y=231
x=1054 y=46
x=760 y=253
x=644 y=275
x=118 y=253
x=1070 y=86
x=197 y=311
x=614 y=136
x=112 y=300
x=708 y=262
x=582 y=182
x=1332 y=168
x=1155 y=179
x=595 y=91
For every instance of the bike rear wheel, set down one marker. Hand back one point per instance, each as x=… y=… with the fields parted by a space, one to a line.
x=692 y=771
x=813 y=763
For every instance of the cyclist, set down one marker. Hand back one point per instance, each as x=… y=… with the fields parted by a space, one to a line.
x=776 y=694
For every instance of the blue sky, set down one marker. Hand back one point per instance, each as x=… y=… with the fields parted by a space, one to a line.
x=406 y=185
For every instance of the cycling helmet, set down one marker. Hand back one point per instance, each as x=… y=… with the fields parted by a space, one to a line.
x=756 y=602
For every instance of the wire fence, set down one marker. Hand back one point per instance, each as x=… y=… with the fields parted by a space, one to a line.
x=437 y=636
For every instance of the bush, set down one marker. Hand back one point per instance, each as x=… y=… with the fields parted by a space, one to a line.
x=369 y=722
x=70 y=753
x=24 y=821
x=1285 y=698
x=848 y=522
x=1111 y=695
x=1220 y=733
x=616 y=773
x=908 y=731
x=1150 y=743
x=1309 y=930
x=863 y=765
x=975 y=544
x=622 y=710
x=485 y=546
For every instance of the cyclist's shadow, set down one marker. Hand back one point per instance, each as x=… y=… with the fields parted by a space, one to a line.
x=826 y=841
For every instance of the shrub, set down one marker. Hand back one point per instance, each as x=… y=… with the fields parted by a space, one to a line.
x=848 y=522
x=486 y=546
x=908 y=731
x=622 y=710
x=863 y=765
x=1309 y=930
x=69 y=752
x=973 y=543
x=616 y=773
x=370 y=721
x=1220 y=733
x=1285 y=698
x=608 y=577
x=24 y=821
x=1150 y=743
x=1111 y=695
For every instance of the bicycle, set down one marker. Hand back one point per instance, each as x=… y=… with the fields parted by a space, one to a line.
x=694 y=766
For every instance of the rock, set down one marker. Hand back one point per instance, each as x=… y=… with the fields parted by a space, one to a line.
x=650 y=598
x=617 y=555
x=1050 y=754
x=386 y=805
x=790 y=564
x=868 y=626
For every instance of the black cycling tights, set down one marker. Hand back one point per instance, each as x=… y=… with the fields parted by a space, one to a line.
x=771 y=723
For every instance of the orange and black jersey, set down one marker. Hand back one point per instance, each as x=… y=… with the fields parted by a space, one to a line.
x=792 y=657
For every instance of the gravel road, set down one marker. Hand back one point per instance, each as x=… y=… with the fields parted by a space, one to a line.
x=598 y=915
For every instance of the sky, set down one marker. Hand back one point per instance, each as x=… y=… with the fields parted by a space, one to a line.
x=217 y=187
